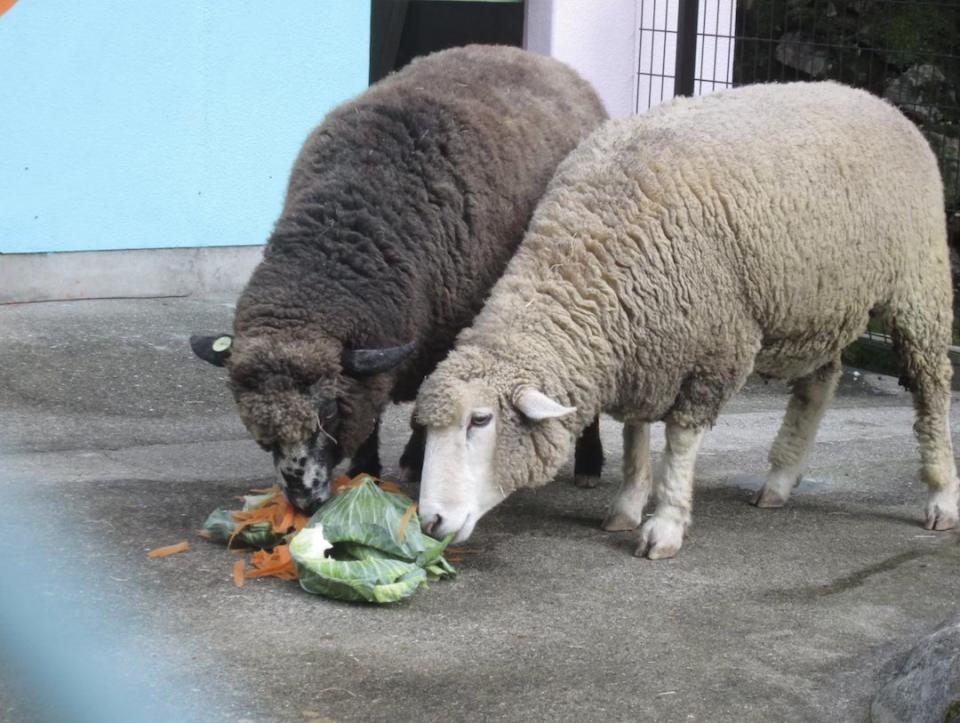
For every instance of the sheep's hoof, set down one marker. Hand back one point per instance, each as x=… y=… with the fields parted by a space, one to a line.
x=659 y=539
x=769 y=498
x=939 y=518
x=586 y=481
x=620 y=522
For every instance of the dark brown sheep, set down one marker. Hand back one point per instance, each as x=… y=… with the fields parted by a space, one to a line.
x=402 y=210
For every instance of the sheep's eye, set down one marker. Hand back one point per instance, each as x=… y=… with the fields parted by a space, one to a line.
x=480 y=419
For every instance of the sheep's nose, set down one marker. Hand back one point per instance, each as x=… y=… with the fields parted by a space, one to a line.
x=304 y=501
x=431 y=523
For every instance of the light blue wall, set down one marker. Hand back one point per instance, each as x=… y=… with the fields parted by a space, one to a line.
x=128 y=124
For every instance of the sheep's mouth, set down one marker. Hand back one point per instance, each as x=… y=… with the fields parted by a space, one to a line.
x=303 y=472
x=307 y=500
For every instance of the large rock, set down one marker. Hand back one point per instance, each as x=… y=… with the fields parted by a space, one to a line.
x=947 y=150
x=800 y=53
x=920 y=92
x=923 y=686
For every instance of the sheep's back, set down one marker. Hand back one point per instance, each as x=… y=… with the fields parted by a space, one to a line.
x=775 y=215
x=796 y=199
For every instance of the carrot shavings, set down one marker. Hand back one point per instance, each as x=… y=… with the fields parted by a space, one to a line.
x=277 y=511
x=342 y=482
x=405 y=522
x=276 y=563
x=169 y=550
x=239 y=574
x=345 y=483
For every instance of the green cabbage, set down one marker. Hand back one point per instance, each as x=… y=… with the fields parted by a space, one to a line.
x=220 y=525
x=355 y=548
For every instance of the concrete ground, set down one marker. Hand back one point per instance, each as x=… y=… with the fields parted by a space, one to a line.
x=126 y=442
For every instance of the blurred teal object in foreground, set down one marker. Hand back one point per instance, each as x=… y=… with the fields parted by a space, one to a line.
x=66 y=650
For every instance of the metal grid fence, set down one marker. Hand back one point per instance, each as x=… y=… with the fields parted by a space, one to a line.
x=907 y=51
x=677 y=40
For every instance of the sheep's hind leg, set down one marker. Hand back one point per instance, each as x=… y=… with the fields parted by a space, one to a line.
x=627 y=509
x=927 y=374
x=808 y=401
x=662 y=535
x=411 y=461
x=588 y=457
x=367 y=457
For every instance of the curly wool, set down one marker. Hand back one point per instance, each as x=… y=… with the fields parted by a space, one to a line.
x=403 y=208
x=676 y=252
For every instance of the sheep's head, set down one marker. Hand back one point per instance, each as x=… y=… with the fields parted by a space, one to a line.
x=309 y=402
x=488 y=433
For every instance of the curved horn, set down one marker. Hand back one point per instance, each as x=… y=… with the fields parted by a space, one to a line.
x=366 y=362
x=212 y=349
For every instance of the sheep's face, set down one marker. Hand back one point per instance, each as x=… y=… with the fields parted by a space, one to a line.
x=481 y=445
x=302 y=405
x=291 y=399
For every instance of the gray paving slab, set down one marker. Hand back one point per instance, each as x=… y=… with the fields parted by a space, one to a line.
x=116 y=441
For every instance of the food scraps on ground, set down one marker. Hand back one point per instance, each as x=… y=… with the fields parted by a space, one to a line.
x=365 y=544
x=265 y=520
x=169 y=550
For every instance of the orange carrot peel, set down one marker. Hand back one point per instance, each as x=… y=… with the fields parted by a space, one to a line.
x=277 y=511
x=169 y=550
x=274 y=563
x=405 y=522
x=238 y=573
x=345 y=483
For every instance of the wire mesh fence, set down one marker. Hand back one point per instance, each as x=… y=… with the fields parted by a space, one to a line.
x=907 y=51
x=678 y=38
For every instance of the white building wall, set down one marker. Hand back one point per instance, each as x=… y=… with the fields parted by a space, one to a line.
x=627 y=48
x=598 y=39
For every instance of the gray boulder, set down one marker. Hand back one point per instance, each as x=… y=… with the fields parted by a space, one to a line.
x=924 y=685
x=947 y=150
x=920 y=91
x=795 y=51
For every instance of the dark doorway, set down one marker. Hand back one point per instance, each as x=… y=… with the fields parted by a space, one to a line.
x=400 y=30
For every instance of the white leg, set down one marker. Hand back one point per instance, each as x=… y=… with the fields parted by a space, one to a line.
x=627 y=509
x=808 y=401
x=662 y=535
x=930 y=379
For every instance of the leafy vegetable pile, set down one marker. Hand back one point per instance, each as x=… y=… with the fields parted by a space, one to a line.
x=365 y=544
x=265 y=521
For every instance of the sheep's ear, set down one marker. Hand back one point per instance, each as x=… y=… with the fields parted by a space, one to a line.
x=212 y=349
x=367 y=362
x=536 y=405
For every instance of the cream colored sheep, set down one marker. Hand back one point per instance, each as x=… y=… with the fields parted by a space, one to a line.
x=755 y=229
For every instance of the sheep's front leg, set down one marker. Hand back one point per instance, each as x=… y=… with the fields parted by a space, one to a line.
x=662 y=535
x=627 y=509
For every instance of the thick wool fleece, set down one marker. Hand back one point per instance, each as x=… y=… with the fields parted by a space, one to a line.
x=676 y=252
x=403 y=208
